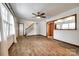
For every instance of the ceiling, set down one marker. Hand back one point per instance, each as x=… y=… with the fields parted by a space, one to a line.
x=25 y=10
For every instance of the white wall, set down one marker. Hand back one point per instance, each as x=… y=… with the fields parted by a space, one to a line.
x=34 y=31
x=70 y=36
x=0 y=39
x=16 y=26
x=39 y=28
x=43 y=28
x=26 y=23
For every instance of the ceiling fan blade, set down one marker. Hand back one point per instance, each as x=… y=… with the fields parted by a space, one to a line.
x=42 y=14
x=34 y=14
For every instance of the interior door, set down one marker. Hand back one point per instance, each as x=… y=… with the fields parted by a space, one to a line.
x=50 y=29
x=21 y=29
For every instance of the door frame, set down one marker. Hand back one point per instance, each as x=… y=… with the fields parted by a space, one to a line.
x=19 y=29
x=47 y=27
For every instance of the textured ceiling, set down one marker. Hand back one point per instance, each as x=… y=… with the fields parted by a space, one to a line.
x=25 y=10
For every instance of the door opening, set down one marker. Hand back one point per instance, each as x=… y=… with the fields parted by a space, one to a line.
x=50 y=29
x=21 y=29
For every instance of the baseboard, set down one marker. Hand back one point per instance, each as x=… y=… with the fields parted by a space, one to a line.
x=67 y=43
x=11 y=45
x=35 y=35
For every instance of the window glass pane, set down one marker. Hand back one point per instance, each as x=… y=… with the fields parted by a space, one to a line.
x=3 y=13
x=0 y=36
x=11 y=19
x=8 y=29
x=12 y=22
x=5 y=28
x=71 y=25
x=11 y=29
x=64 y=26
x=58 y=26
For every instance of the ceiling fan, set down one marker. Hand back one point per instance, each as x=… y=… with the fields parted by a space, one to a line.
x=39 y=15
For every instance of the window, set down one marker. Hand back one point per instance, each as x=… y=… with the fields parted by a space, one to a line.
x=66 y=23
x=58 y=26
x=64 y=26
x=8 y=21
x=72 y=25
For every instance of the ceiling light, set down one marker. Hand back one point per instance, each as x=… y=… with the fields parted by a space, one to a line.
x=38 y=17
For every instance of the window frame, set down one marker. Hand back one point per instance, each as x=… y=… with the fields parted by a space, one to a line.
x=67 y=17
x=7 y=23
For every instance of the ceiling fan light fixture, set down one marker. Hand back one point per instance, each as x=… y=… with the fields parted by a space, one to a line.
x=38 y=17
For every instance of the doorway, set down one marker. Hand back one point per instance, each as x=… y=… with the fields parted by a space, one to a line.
x=50 y=29
x=21 y=29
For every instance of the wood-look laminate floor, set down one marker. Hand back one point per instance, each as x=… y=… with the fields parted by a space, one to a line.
x=42 y=46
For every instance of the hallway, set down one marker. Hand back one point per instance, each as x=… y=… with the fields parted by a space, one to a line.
x=41 y=46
